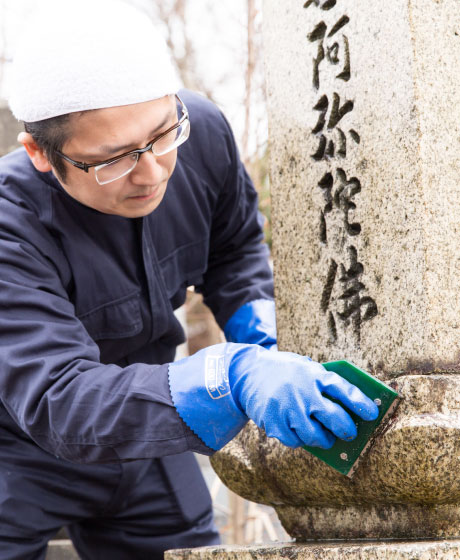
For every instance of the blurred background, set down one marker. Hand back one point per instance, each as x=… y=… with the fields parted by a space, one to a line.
x=217 y=50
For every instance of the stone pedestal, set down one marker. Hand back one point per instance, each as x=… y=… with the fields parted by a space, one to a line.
x=364 y=107
x=407 y=486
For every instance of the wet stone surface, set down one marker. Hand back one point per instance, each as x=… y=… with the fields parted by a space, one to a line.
x=406 y=486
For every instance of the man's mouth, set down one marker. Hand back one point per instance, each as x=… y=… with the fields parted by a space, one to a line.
x=146 y=195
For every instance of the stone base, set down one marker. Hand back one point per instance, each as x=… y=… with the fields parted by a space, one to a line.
x=371 y=523
x=391 y=550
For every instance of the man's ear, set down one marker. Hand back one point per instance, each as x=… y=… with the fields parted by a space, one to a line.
x=36 y=154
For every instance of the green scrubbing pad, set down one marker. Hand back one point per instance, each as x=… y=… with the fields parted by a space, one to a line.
x=344 y=456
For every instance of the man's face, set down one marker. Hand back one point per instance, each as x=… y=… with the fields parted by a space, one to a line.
x=105 y=133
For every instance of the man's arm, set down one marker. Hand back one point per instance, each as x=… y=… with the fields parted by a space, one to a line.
x=71 y=405
x=53 y=384
x=238 y=268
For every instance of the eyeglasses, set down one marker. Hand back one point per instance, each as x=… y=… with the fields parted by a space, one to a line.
x=119 y=166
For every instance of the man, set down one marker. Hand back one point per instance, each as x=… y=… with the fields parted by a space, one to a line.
x=126 y=192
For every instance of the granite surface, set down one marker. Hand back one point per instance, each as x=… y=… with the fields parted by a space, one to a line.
x=437 y=550
x=407 y=485
x=365 y=166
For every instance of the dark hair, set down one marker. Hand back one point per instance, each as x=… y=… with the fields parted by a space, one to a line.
x=51 y=135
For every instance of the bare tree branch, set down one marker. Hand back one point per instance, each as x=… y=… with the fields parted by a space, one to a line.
x=250 y=66
x=174 y=16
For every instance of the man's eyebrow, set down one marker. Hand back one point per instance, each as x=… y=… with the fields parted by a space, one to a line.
x=106 y=150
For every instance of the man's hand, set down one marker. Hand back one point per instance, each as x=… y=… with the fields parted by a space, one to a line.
x=217 y=389
x=286 y=395
x=253 y=323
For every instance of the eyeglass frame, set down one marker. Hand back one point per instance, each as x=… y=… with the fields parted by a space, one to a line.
x=86 y=166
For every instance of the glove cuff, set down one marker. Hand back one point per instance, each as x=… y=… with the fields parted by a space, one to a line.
x=202 y=395
x=253 y=323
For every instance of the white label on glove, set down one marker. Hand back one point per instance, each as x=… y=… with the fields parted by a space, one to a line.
x=216 y=377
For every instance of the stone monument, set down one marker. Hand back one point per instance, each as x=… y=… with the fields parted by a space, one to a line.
x=364 y=115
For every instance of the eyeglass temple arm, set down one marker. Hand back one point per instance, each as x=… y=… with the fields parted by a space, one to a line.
x=78 y=164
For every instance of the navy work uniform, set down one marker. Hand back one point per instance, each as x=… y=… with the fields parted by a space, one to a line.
x=89 y=437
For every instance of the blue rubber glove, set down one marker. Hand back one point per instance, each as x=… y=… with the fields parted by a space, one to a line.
x=253 y=323
x=217 y=389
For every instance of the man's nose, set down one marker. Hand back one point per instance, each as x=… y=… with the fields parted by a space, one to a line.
x=148 y=170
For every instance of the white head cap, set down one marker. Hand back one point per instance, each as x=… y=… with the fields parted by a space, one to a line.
x=76 y=55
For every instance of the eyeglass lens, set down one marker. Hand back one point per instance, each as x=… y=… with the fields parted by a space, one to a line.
x=108 y=172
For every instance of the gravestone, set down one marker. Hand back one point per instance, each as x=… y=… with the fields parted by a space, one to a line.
x=364 y=128
x=9 y=129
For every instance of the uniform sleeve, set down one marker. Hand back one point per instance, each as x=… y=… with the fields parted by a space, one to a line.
x=238 y=267
x=52 y=382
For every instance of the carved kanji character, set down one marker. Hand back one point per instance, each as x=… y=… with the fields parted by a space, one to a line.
x=327 y=145
x=335 y=49
x=356 y=308
x=343 y=196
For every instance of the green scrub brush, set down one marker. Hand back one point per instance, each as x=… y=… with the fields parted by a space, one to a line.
x=344 y=456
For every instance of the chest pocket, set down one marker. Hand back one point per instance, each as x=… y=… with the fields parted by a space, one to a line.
x=185 y=267
x=117 y=319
